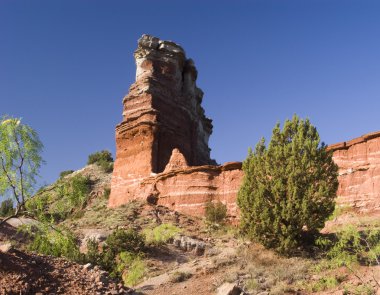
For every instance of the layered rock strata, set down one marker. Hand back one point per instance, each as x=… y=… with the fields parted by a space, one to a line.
x=162 y=151
x=359 y=172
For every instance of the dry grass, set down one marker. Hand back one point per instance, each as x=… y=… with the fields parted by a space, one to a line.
x=266 y=271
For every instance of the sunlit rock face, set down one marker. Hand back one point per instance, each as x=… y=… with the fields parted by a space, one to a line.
x=359 y=172
x=162 y=152
x=164 y=129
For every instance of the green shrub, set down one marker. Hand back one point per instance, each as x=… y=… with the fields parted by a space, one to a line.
x=118 y=241
x=289 y=187
x=100 y=156
x=93 y=255
x=106 y=193
x=131 y=267
x=49 y=241
x=65 y=173
x=216 y=212
x=77 y=190
x=121 y=241
x=359 y=290
x=161 y=234
x=103 y=159
x=120 y=255
x=38 y=206
x=6 y=208
x=324 y=283
x=72 y=195
x=68 y=197
x=107 y=167
x=352 y=247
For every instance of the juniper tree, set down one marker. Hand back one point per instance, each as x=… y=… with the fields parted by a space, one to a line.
x=289 y=187
x=20 y=160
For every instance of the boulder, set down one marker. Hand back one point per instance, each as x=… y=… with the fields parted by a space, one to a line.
x=189 y=244
x=5 y=247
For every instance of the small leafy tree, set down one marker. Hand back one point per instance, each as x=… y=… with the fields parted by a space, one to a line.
x=20 y=160
x=289 y=187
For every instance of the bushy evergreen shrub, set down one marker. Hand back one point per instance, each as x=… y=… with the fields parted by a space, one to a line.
x=103 y=159
x=289 y=187
x=125 y=240
x=120 y=254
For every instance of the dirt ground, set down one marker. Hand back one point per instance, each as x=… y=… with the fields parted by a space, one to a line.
x=24 y=273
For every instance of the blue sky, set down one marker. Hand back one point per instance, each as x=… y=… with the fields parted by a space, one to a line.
x=66 y=65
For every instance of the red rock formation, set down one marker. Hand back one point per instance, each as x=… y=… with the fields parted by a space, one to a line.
x=162 y=151
x=188 y=189
x=177 y=161
x=359 y=172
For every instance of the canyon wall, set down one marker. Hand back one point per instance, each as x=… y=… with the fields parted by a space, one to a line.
x=359 y=172
x=162 y=150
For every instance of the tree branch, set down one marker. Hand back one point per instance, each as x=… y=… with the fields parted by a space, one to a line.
x=10 y=181
x=20 y=170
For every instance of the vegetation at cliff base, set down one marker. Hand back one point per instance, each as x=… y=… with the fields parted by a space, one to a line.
x=289 y=187
x=216 y=213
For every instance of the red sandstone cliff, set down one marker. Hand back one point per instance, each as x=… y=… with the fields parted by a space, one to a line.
x=162 y=151
x=359 y=172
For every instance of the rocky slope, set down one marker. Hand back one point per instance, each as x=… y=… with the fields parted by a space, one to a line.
x=27 y=273
x=199 y=260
